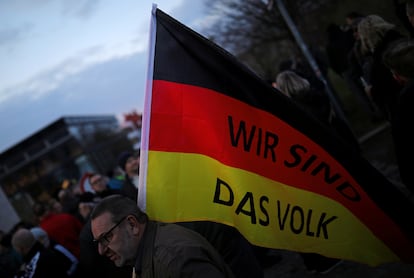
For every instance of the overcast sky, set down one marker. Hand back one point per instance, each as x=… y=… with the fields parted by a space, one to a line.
x=76 y=57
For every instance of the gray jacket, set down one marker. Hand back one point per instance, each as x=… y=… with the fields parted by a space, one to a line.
x=169 y=250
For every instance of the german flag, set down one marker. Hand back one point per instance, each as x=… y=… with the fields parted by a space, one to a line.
x=220 y=144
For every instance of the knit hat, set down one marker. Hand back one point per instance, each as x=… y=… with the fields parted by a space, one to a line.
x=123 y=158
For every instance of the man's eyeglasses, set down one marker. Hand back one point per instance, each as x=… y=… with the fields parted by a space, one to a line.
x=106 y=237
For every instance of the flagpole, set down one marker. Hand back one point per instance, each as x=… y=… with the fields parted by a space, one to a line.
x=143 y=168
x=309 y=57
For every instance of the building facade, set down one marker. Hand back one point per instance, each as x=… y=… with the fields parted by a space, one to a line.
x=35 y=168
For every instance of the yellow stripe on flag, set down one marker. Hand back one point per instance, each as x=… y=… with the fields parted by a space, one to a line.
x=193 y=187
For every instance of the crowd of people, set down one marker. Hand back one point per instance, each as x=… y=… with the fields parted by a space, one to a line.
x=59 y=242
x=102 y=232
x=375 y=58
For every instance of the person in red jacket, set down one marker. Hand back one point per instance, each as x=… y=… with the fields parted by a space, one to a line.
x=62 y=228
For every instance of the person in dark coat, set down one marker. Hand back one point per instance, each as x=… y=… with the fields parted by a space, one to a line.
x=339 y=44
x=376 y=35
x=358 y=68
x=409 y=13
x=40 y=262
x=399 y=58
x=129 y=163
x=70 y=261
x=402 y=11
x=10 y=260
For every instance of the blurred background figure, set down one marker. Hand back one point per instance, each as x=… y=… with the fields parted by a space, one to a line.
x=39 y=262
x=347 y=60
x=339 y=44
x=402 y=11
x=68 y=200
x=62 y=228
x=10 y=260
x=399 y=58
x=99 y=184
x=376 y=35
x=409 y=12
x=129 y=163
x=69 y=261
